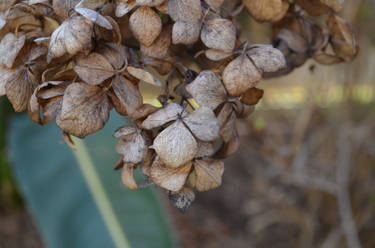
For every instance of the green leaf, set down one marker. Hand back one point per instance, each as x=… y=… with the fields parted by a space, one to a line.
x=76 y=198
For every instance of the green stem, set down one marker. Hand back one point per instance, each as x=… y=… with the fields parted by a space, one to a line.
x=97 y=190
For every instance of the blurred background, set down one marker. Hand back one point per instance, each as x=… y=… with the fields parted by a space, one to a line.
x=304 y=175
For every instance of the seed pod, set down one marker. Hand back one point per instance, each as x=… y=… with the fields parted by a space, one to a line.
x=240 y=75
x=267 y=11
x=73 y=36
x=219 y=34
x=146 y=25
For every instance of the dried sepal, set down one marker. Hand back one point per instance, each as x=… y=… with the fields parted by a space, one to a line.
x=123 y=7
x=85 y=110
x=175 y=145
x=185 y=32
x=240 y=75
x=149 y=3
x=94 y=17
x=216 y=55
x=208 y=174
x=143 y=75
x=10 y=46
x=73 y=36
x=127 y=176
x=270 y=10
x=203 y=124
x=219 y=34
x=127 y=93
x=207 y=89
x=252 y=96
x=164 y=115
x=185 y=10
x=172 y=179
x=146 y=25
x=132 y=147
x=267 y=58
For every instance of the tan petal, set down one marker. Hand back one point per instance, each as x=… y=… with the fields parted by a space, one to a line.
x=172 y=179
x=149 y=3
x=143 y=111
x=185 y=32
x=124 y=7
x=207 y=90
x=91 y=4
x=73 y=36
x=185 y=10
x=182 y=199
x=294 y=41
x=62 y=7
x=209 y=174
x=175 y=145
x=252 y=96
x=240 y=75
x=163 y=116
x=229 y=128
x=216 y=55
x=124 y=131
x=127 y=93
x=313 y=7
x=85 y=110
x=229 y=148
x=143 y=75
x=326 y=59
x=127 y=176
x=94 y=17
x=270 y=10
x=6 y=4
x=115 y=55
x=205 y=149
x=10 y=46
x=203 y=124
x=132 y=147
x=146 y=25
x=224 y=114
x=267 y=58
x=219 y=34
x=52 y=108
x=94 y=69
x=159 y=49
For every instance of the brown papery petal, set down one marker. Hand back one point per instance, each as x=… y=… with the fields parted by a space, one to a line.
x=163 y=116
x=182 y=199
x=124 y=6
x=219 y=34
x=132 y=147
x=124 y=131
x=185 y=10
x=269 y=10
x=73 y=36
x=62 y=7
x=216 y=55
x=240 y=75
x=294 y=41
x=127 y=176
x=146 y=25
x=207 y=90
x=267 y=58
x=205 y=149
x=208 y=174
x=252 y=96
x=143 y=75
x=127 y=93
x=159 y=49
x=10 y=46
x=185 y=32
x=313 y=7
x=94 y=69
x=203 y=124
x=172 y=179
x=175 y=145
x=6 y=4
x=228 y=130
x=91 y=4
x=85 y=110
x=94 y=17
x=149 y=3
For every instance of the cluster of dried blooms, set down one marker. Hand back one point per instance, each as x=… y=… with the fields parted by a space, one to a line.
x=73 y=61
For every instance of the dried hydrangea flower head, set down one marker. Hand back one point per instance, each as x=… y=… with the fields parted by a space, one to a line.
x=73 y=61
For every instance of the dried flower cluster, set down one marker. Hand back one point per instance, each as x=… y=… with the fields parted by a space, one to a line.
x=73 y=61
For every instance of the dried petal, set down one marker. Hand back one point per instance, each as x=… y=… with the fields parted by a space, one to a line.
x=149 y=3
x=270 y=10
x=252 y=96
x=294 y=41
x=132 y=147
x=127 y=93
x=175 y=145
x=207 y=90
x=10 y=46
x=94 y=17
x=208 y=174
x=216 y=55
x=240 y=75
x=172 y=179
x=267 y=58
x=127 y=176
x=124 y=131
x=185 y=32
x=73 y=36
x=85 y=110
x=185 y=10
x=94 y=69
x=163 y=116
x=219 y=34
x=203 y=124
x=205 y=149
x=146 y=25
x=124 y=7
x=143 y=75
